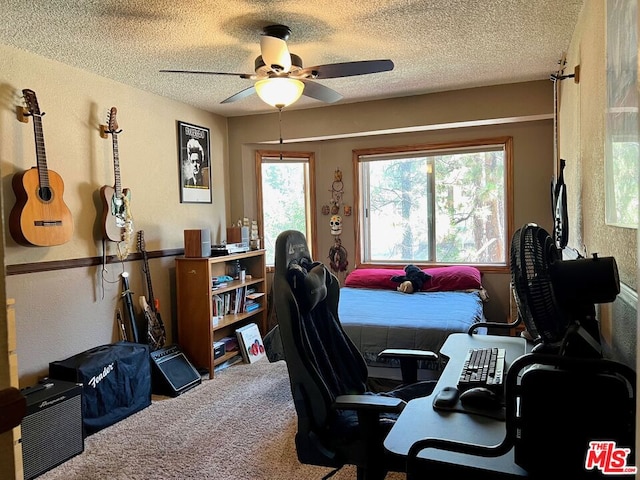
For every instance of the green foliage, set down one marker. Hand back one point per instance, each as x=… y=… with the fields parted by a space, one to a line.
x=456 y=201
x=283 y=200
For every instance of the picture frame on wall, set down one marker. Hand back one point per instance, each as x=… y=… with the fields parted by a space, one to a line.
x=194 y=163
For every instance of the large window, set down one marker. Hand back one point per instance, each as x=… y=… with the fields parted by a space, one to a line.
x=435 y=204
x=285 y=191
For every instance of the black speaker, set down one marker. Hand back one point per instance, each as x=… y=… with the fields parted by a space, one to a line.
x=173 y=373
x=52 y=427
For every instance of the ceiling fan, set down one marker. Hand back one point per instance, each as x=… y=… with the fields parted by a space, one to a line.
x=281 y=78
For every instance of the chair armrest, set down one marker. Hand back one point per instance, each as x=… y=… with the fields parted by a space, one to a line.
x=408 y=353
x=477 y=325
x=373 y=403
x=408 y=361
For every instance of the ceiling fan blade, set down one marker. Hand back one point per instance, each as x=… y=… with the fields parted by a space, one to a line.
x=249 y=76
x=275 y=53
x=347 y=69
x=240 y=95
x=320 y=92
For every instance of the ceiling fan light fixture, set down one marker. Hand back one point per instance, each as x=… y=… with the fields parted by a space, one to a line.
x=279 y=92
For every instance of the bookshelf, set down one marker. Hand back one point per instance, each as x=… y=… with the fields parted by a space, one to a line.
x=200 y=321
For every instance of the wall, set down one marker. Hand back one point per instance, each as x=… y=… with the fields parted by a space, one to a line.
x=63 y=312
x=582 y=140
x=523 y=111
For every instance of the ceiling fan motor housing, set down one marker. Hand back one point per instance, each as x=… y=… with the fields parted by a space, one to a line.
x=263 y=70
x=279 y=31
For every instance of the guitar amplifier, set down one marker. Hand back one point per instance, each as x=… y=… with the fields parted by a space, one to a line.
x=116 y=381
x=52 y=427
x=173 y=373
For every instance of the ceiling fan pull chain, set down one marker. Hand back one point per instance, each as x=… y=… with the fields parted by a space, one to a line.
x=280 y=130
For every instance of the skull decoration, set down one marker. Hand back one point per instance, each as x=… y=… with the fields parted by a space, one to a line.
x=336 y=225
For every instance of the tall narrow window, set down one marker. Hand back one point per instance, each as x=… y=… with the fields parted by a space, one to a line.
x=285 y=197
x=435 y=204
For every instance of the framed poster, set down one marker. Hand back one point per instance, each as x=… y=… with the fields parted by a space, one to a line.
x=621 y=140
x=194 y=161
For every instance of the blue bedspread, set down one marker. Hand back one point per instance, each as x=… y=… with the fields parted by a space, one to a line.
x=377 y=319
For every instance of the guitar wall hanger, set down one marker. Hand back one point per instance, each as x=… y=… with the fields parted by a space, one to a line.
x=104 y=131
x=23 y=114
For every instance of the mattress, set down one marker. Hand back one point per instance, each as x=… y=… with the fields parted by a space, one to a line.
x=376 y=319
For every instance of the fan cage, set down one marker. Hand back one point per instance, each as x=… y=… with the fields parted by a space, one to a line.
x=532 y=256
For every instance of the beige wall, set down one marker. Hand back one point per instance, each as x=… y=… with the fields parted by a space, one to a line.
x=582 y=140
x=523 y=111
x=60 y=313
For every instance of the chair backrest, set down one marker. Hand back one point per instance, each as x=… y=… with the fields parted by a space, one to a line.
x=322 y=361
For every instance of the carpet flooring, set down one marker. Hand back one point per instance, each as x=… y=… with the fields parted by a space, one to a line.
x=241 y=424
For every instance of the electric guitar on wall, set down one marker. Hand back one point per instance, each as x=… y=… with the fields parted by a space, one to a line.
x=156 y=334
x=116 y=216
x=39 y=217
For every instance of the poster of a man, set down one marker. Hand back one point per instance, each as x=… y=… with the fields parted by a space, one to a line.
x=192 y=164
x=195 y=175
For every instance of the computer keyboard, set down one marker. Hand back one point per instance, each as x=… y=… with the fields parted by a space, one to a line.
x=483 y=367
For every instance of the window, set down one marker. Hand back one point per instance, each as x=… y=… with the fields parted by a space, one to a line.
x=435 y=204
x=286 y=188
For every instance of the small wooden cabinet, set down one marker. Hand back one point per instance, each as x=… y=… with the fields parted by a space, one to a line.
x=197 y=327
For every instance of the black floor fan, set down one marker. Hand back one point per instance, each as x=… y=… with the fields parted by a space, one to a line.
x=556 y=298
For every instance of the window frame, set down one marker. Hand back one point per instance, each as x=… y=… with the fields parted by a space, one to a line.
x=358 y=156
x=310 y=197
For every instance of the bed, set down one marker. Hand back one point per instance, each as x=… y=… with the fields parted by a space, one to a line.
x=377 y=316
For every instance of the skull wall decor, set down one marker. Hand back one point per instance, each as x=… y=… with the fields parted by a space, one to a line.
x=336 y=225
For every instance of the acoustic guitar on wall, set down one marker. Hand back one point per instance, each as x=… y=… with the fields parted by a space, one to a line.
x=117 y=223
x=39 y=217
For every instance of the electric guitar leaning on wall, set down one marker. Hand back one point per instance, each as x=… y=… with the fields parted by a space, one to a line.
x=116 y=216
x=156 y=334
x=39 y=217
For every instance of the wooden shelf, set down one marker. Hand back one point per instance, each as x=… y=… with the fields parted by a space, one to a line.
x=196 y=330
x=225 y=357
x=235 y=284
x=236 y=318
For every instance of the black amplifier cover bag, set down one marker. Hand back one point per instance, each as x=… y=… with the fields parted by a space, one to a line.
x=116 y=381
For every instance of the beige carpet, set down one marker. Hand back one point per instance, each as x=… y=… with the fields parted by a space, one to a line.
x=239 y=425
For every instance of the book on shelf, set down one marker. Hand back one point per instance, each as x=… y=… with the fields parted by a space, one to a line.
x=250 y=343
x=250 y=307
x=217 y=302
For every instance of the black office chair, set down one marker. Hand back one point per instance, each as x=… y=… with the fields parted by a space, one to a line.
x=554 y=406
x=340 y=422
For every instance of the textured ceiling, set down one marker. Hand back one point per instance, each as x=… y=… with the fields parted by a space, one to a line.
x=435 y=45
